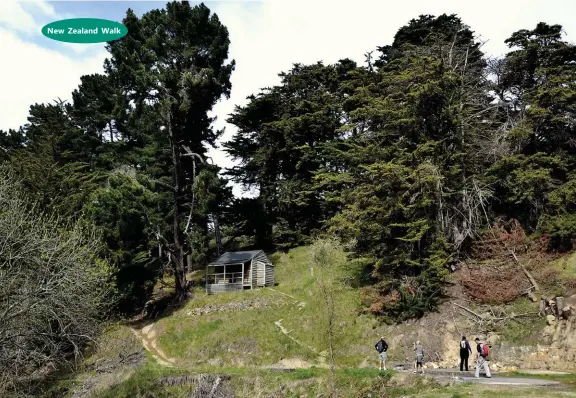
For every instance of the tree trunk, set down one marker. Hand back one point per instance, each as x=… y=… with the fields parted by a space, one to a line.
x=178 y=260
x=111 y=132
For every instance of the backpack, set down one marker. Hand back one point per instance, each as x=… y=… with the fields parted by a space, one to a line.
x=484 y=350
x=463 y=344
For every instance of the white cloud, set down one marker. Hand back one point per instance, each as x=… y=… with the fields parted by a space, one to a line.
x=34 y=74
x=267 y=37
x=15 y=17
x=45 y=7
x=83 y=48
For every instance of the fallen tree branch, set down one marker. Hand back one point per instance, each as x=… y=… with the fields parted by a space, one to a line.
x=526 y=272
x=490 y=320
x=468 y=309
x=513 y=316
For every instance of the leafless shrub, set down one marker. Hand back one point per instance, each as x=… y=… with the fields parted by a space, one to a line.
x=507 y=264
x=53 y=291
x=489 y=286
x=327 y=253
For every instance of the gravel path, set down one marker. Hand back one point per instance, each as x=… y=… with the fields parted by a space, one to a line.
x=468 y=377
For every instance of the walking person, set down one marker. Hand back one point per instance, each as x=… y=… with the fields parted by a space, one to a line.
x=465 y=352
x=482 y=358
x=382 y=348
x=419 y=350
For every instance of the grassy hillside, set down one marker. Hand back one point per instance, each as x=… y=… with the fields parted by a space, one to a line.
x=249 y=335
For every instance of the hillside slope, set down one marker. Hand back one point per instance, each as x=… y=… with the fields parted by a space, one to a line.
x=286 y=325
x=249 y=332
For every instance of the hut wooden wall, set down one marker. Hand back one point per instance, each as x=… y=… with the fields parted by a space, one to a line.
x=223 y=287
x=269 y=275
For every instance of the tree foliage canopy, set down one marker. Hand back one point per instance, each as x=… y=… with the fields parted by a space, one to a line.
x=407 y=158
x=412 y=155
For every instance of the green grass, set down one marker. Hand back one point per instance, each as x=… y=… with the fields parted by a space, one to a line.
x=250 y=337
x=566 y=266
x=566 y=379
x=245 y=382
x=522 y=331
x=145 y=379
x=184 y=337
x=352 y=383
x=232 y=338
x=243 y=343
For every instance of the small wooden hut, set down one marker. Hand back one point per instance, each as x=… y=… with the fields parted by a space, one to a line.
x=235 y=271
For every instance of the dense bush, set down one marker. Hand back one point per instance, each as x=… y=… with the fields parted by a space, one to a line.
x=55 y=291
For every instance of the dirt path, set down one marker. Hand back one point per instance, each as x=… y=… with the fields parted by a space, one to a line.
x=287 y=334
x=147 y=338
x=285 y=294
x=299 y=304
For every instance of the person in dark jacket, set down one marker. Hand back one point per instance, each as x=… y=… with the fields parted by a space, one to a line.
x=381 y=346
x=465 y=352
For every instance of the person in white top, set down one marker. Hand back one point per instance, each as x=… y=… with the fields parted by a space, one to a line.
x=482 y=358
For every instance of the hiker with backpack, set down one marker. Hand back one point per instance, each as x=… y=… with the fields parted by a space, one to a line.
x=382 y=347
x=465 y=351
x=482 y=360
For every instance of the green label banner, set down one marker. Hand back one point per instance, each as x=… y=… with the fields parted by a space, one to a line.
x=84 y=30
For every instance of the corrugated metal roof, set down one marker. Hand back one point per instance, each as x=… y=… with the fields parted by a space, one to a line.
x=236 y=257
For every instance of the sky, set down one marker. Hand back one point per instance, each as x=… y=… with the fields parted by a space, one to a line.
x=267 y=37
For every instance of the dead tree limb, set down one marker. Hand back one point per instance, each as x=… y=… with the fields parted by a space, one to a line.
x=526 y=272
x=194 y=156
x=468 y=310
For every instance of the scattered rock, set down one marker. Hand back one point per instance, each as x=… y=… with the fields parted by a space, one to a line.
x=291 y=363
x=493 y=339
x=567 y=312
x=571 y=300
x=207 y=385
x=433 y=365
x=216 y=362
x=177 y=381
x=559 y=305
x=548 y=331
x=550 y=320
x=134 y=358
x=237 y=305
